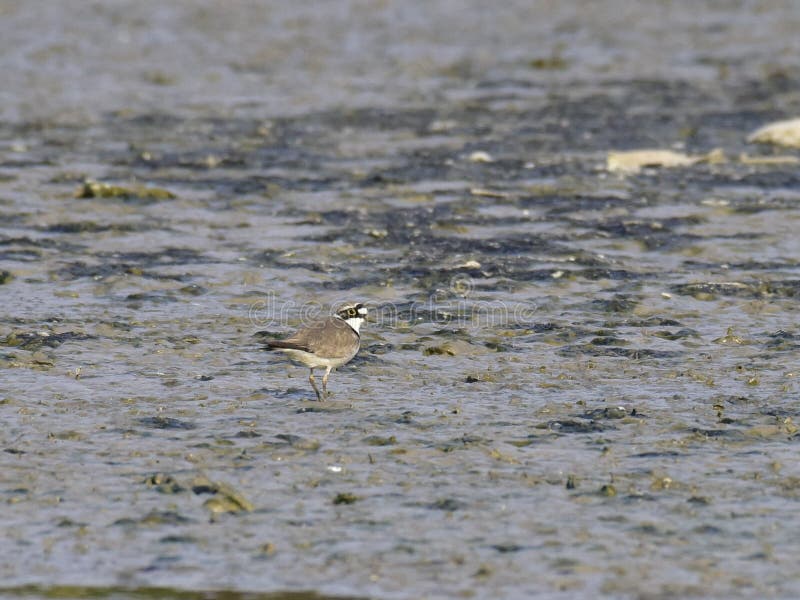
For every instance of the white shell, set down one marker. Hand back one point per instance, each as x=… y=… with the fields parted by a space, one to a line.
x=780 y=133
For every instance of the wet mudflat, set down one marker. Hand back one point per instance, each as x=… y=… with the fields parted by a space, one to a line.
x=576 y=382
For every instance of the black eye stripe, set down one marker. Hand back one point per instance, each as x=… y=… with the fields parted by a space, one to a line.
x=357 y=311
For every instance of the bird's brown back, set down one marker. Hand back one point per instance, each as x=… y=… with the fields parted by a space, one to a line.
x=329 y=338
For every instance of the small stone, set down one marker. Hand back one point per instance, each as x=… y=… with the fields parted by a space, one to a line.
x=769 y=160
x=629 y=163
x=479 y=156
x=470 y=264
x=780 y=133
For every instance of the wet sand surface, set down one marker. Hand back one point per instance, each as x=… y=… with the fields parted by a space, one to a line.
x=575 y=383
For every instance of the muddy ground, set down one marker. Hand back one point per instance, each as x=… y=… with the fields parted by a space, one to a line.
x=575 y=382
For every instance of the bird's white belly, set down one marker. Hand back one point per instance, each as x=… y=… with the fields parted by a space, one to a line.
x=311 y=360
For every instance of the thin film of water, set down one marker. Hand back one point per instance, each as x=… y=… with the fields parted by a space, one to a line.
x=574 y=382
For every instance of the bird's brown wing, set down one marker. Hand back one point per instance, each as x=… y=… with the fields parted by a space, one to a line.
x=285 y=344
x=330 y=338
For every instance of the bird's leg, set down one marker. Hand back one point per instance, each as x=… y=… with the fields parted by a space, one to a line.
x=325 y=382
x=314 y=384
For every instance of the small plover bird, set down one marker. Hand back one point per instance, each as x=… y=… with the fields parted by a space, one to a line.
x=328 y=343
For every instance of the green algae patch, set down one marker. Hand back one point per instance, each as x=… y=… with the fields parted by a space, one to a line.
x=345 y=498
x=225 y=499
x=164 y=483
x=153 y=593
x=35 y=340
x=608 y=490
x=226 y=504
x=97 y=189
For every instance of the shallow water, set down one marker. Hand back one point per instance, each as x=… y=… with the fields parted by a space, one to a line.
x=574 y=383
